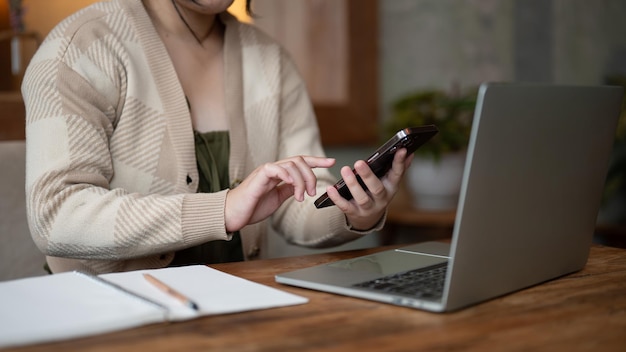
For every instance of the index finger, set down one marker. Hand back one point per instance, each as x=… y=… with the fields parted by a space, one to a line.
x=316 y=161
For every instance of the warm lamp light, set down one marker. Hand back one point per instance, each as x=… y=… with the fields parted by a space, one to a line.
x=238 y=9
x=4 y=11
x=4 y=15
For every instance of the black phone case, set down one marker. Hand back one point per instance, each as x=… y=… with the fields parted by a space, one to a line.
x=380 y=161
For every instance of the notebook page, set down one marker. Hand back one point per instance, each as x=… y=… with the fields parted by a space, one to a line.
x=64 y=306
x=70 y=305
x=214 y=291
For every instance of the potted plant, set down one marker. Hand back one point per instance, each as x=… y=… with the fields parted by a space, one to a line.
x=435 y=174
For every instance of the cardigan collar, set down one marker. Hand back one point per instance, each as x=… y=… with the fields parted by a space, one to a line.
x=173 y=97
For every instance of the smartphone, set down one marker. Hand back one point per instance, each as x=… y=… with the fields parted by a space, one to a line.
x=380 y=161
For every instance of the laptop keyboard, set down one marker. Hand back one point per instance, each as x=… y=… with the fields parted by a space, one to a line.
x=420 y=283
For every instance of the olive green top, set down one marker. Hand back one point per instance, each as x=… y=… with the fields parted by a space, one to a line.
x=212 y=153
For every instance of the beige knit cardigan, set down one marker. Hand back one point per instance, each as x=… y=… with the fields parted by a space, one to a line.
x=111 y=169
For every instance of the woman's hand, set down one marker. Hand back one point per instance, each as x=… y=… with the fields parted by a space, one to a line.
x=268 y=186
x=366 y=208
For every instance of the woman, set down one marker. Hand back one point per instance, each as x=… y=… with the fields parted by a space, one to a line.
x=167 y=133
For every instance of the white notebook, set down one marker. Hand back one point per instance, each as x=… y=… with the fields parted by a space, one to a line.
x=70 y=305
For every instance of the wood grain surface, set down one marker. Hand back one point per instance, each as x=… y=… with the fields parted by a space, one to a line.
x=584 y=311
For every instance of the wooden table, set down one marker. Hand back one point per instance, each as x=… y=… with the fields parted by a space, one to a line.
x=582 y=311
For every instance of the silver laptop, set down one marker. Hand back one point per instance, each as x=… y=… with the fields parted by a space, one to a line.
x=536 y=165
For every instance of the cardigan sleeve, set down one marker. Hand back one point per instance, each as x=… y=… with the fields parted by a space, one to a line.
x=301 y=222
x=76 y=104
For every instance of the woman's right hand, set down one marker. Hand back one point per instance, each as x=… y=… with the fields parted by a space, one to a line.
x=268 y=186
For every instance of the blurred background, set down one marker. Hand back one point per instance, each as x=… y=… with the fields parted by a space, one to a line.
x=359 y=57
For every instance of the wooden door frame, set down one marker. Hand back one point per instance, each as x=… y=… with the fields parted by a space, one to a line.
x=356 y=121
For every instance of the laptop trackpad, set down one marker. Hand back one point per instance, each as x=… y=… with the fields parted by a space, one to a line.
x=389 y=262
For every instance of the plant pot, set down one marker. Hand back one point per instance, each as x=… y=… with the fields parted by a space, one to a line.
x=436 y=184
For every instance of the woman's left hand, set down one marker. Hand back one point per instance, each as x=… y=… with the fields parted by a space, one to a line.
x=366 y=208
